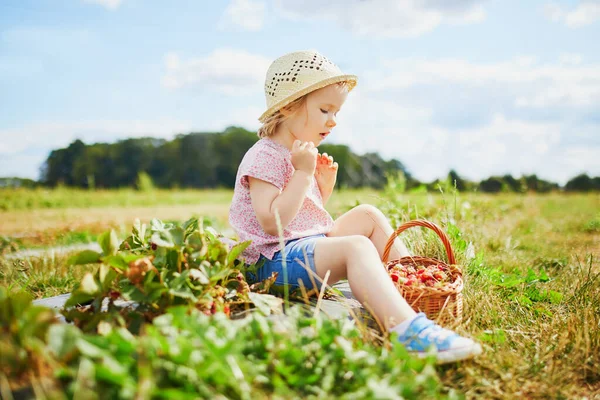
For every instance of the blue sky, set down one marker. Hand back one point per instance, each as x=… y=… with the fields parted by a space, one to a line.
x=484 y=87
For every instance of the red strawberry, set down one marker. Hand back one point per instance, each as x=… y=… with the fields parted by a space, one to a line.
x=395 y=277
x=425 y=276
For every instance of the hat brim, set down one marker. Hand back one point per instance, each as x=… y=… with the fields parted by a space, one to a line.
x=352 y=79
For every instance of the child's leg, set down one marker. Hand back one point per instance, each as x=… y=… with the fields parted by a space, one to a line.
x=369 y=221
x=355 y=258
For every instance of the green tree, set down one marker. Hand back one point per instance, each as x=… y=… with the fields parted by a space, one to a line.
x=456 y=181
x=580 y=183
x=492 y=184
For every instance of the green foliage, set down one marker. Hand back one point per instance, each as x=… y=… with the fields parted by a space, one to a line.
x=195 y=160
x=593 y=225
x=524 y=288
x=43 y=198
x=14 y=182
x=23 y=330
x=583 y=183
x=492 y=185
x=158 y=267
x=144 y=182
x=187 y=354
x=456 y=181
x=396 y=183
x=535 y=346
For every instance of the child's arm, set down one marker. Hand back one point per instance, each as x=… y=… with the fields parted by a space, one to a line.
x=266 y=197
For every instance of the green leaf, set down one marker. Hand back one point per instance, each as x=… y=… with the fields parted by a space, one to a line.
x=163 y=239
x=179 y=287
x=139 y=231
x=177 y=236
x=236 y=251
x=106 y=275
x=62 y=339
x=87 y=290
x=109 y=243
x=116 y=261
x=493 y=336
x=78 y=298
x=174 y=393
x=197 y=275
x=555 y=297
x=524 y=300
x=211 y=233
x=84 y=257
x=156 y=225
x=266 y=303
x=89 y=284
x=90 y=350
x=531 y=276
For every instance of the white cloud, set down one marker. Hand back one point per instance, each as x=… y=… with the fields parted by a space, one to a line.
x=586 y=13
x=534 y=85
x=108 y=4
x=570 y=58
x=247 y=14
x=228 y=71
x=582 y=159
x=385 y=18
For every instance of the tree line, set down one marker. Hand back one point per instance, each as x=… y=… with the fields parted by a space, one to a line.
x=211 y=159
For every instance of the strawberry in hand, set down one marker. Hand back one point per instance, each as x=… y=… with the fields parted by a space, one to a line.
x=326 y=175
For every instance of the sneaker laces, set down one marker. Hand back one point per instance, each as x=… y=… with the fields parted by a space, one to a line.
x=433 y=332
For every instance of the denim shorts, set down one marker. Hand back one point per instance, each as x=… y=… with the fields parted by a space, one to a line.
x=297 y=253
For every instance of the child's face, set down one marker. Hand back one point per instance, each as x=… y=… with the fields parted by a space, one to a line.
x=314 y=121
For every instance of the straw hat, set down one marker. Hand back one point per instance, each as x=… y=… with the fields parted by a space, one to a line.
x=293 y=75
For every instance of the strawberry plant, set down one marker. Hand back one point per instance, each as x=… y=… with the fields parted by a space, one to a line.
x=186 y=354
x=23 y=329
x=162 y=266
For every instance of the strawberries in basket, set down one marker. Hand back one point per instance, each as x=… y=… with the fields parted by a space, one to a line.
x=420 y=276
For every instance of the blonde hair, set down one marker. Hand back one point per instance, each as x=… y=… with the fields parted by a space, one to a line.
x=277 y=118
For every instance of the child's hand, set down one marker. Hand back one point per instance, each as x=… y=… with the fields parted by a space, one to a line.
x=304 y=156
x=326 y=174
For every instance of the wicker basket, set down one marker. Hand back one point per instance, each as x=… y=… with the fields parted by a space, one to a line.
x=442 y=304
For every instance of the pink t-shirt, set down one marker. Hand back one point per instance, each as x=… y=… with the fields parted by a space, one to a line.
x=271 y=162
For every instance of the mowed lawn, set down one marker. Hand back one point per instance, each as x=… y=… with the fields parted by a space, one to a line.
x=531 y=264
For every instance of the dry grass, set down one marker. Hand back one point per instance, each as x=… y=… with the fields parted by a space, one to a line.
x=533 y=349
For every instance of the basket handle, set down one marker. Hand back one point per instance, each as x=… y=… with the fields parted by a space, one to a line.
x=426 y=224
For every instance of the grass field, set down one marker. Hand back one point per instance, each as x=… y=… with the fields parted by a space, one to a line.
x=531 y=262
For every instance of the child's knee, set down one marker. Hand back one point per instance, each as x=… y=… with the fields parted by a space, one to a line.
x=370 y=210
x=358 y=243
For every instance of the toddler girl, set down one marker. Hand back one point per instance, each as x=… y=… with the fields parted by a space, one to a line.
x=283 y=174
